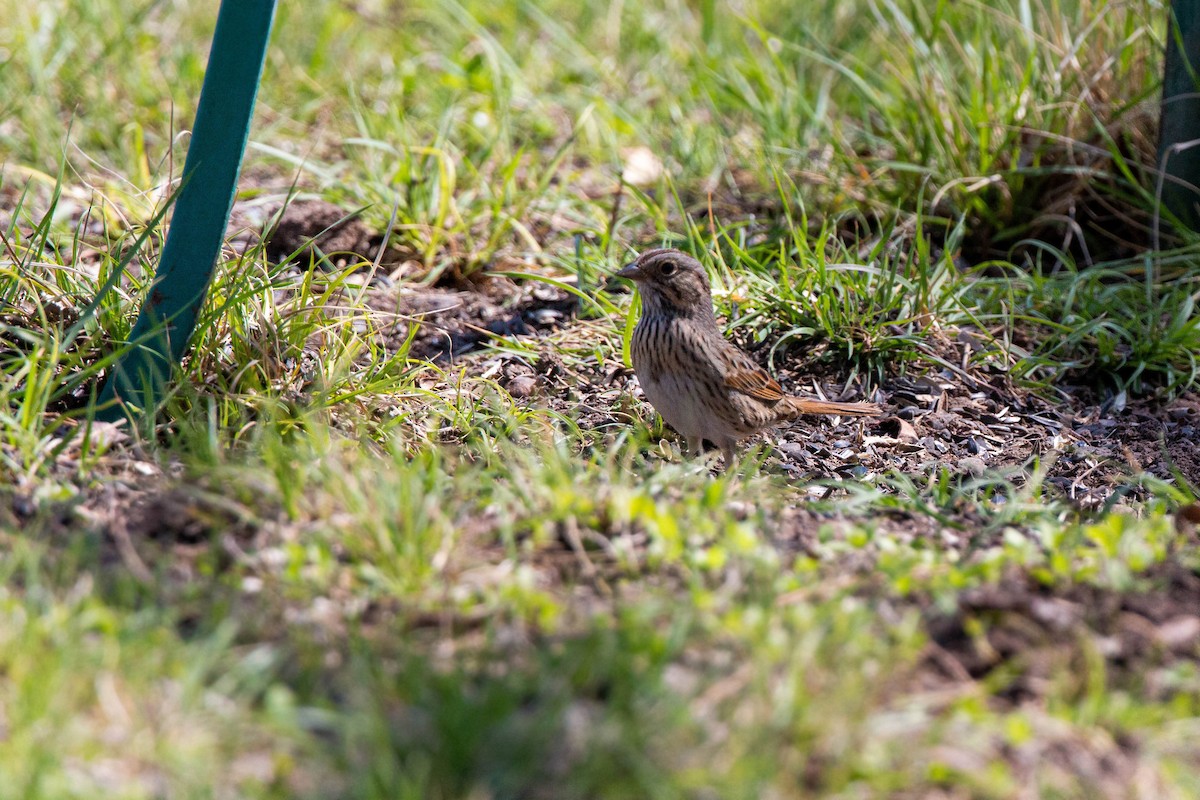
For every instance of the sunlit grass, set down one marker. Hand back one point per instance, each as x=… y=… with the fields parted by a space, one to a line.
x=329 y=568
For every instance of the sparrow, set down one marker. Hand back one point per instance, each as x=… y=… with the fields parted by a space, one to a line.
x=703 y=385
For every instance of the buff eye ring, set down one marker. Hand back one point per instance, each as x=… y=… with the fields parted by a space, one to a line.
x=668 y=269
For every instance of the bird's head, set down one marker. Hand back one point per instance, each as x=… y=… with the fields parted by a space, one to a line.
x=671 y=282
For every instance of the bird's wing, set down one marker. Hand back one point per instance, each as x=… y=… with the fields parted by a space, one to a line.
x=749 y=378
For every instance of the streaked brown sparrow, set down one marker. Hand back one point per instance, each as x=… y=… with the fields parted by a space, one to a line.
x=704 y=386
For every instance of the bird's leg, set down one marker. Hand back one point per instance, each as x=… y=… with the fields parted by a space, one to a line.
x=727 y=449
x=694 y=445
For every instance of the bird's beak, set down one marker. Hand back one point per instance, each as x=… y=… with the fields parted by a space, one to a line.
x=631 y=271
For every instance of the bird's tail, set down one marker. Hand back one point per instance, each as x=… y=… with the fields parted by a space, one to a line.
x=801 y=405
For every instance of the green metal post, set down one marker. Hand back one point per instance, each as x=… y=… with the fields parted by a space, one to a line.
x=201 y=212
x=1179 y=132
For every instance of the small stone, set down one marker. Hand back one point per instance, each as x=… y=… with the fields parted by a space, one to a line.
x=24 y=506
x=972 y=466
x=1058 y=615
x=794 y=452
x=1187 y=517
x=522 y=386
x=641 y=167
x=546 y=317
x=1180 y=633
x=739 y=510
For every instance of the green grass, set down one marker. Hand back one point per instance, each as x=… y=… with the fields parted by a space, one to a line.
x=330 y=569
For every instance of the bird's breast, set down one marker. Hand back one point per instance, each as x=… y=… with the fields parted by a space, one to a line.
x=681 y=380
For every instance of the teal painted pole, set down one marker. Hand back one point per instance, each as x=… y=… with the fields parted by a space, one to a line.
x=210 y=174
x=1179 y=131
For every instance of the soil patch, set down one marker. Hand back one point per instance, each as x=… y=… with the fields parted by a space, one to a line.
x=1035 y=632
x=449 y=322
x=310 y=229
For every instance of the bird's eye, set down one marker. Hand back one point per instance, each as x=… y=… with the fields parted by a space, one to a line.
x=668 y=268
